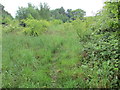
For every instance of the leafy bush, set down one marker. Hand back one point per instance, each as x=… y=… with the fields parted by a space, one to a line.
x=82 y=29
x=12 y=26
x=102 y=44
x=35 y=27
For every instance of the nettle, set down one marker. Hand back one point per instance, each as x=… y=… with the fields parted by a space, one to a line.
x=35 y=27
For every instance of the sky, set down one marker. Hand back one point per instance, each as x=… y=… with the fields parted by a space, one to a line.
x=90 y=6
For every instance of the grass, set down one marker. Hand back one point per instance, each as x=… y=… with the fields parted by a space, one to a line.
x=51 y=60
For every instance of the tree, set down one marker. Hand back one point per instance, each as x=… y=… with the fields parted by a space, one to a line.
x=6 y=17
x=74 y=14
x=59 y=13
x=33 y=11
x=78 y=13
x=44 y=11
x=108 y=17
x=21 y=13
x=69 y=13
x=24 y=13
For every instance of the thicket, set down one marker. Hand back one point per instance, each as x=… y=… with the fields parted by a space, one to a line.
x=100 y=38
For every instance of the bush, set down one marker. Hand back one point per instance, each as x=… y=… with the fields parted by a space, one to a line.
x=13 y=26
x=101 y=46
x=82 y=29
x=35 y=27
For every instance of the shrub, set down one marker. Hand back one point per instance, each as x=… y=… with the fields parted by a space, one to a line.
x=13 y=26
x=82 y=29
x=102 y=45
x=35 y=27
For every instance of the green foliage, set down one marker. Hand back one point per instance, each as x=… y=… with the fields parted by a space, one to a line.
x=44 y=11
x=108 y=17
x=35 y=57
x=78 y=13
x=24 y=13
x=13 y=26
x=68 y=26
x=6 y=17
x=82 y=28
x=31 y=11
x=35 y=27
x=56 y=22
x=59 y=13
x=101 y=46
x=68 y=15
x=78 y=54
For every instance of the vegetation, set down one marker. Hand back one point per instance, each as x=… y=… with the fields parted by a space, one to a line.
x=6 y=17
x=45 y=48
x=44 y=12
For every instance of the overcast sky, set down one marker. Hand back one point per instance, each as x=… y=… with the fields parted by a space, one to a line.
x=90 y=6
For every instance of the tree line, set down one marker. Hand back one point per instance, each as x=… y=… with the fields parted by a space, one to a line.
x=43 y=12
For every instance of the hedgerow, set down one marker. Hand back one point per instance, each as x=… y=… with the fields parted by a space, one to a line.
x=100 y=41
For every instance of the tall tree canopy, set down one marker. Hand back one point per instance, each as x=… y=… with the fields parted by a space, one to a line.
x=59 y=13
x=78 y=13
x=43 y=12
x=68 y=15
x=30 y=11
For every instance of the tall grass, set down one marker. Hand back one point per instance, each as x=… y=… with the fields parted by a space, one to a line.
x=50 y=60
x=28 y=61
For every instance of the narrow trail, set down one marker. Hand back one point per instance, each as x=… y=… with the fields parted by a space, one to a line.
x=55 y=57
x=54 y=74
x=54 y=67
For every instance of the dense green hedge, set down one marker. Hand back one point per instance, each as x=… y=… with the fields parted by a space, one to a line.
x=99 y=36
